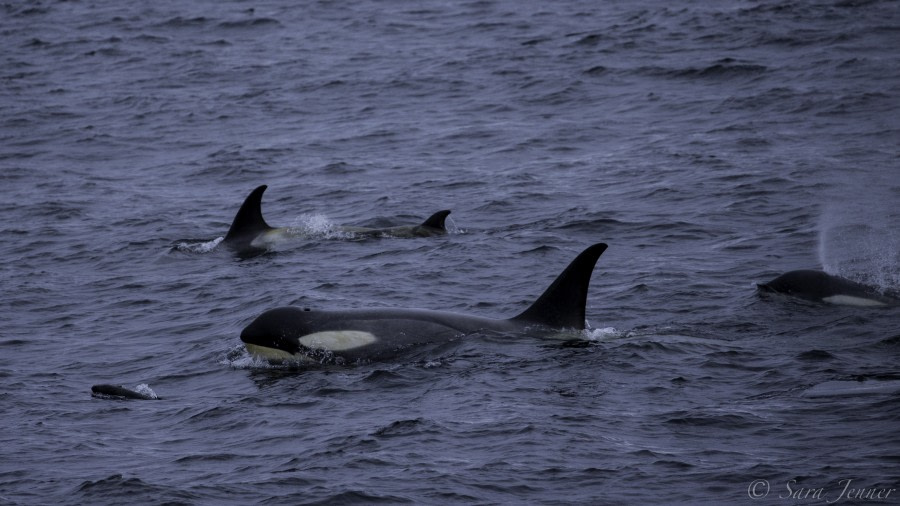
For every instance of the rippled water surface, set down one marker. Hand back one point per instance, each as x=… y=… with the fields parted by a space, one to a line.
x=712 y=145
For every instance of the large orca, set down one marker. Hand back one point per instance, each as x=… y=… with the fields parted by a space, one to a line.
x=250 y=234
x=300 y=335
x=820 y=286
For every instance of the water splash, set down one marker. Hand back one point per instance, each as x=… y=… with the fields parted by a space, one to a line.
x=603 y=334
x=144 y=389
x=858 y=236
x=197 y=246
x=318 y=226
x=452 y=227
x=860 y=249
x=239 y=358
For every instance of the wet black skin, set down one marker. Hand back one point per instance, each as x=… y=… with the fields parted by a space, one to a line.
x=249 y=224
x=818 y=285
x=561 y=306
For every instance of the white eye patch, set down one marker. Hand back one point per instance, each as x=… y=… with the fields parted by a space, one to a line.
x=337 y=340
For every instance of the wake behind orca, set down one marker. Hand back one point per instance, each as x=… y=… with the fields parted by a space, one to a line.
x=294 y=334
x=819 y=286
x=250 y=235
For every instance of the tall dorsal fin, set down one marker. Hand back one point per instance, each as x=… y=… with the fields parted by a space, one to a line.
x=249 y=219
x=562 y=304
x=436 y=220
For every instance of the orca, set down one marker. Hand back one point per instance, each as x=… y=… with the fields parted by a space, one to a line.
x=250 y=235
x=348 y=337
x=819 y=286
x=120 y=392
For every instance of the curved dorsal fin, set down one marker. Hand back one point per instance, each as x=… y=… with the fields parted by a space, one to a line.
x=436 y=220
x=249 y=219
x=562 y=304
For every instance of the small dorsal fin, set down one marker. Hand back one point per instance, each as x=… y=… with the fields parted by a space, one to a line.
x=562 y=304
x=249 y=219
x=436 y=220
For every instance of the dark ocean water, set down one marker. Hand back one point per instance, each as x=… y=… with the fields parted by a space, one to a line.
x=711 y=144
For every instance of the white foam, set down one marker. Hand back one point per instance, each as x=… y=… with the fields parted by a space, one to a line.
x=240 y=358
x=317 y=225
x=144 y=389
x=858 y=241
x=452 y=227
x=198 y=247
x=604 y=334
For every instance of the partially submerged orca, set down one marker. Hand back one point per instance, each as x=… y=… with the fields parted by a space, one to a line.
x=121 y=393
x=819 y=286
x=300 y=335
x=251 y=235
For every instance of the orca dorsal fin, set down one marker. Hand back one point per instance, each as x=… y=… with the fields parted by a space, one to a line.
x=249 y=219
x=562 y=304
x=436 y=220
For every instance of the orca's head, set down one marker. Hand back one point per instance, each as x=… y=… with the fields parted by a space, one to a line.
x=820 y=286
x=301 y=335
x=806 y=284
x=275 y=334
